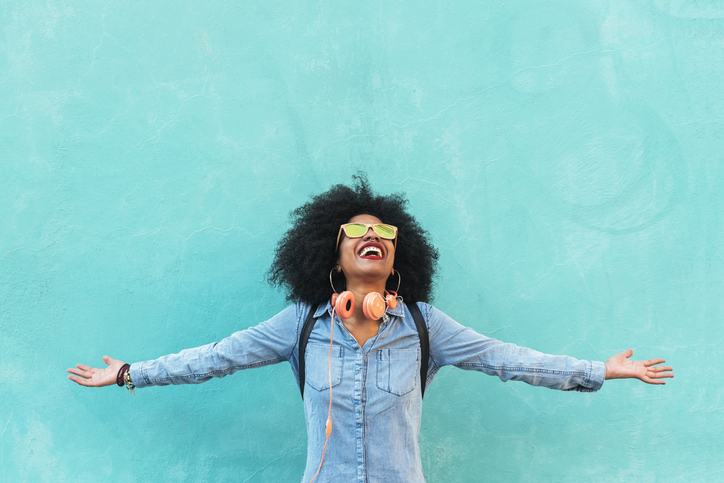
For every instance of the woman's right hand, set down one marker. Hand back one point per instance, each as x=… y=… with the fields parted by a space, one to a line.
x=94 y=377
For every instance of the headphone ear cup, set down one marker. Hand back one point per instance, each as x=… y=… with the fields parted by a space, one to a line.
x=391 y=298
x=344 y=304
x=374 y=306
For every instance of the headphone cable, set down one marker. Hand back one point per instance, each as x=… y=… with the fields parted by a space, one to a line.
x=328 y=425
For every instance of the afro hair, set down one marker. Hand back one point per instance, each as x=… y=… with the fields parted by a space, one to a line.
x=306 y=253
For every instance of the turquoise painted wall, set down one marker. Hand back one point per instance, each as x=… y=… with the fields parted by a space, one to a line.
x=566 y=157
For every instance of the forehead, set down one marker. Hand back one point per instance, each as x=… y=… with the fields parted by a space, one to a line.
x=364 y=219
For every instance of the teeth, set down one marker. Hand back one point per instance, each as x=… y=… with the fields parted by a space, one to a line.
x=370 y=250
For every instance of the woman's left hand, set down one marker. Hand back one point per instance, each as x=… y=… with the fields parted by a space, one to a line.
x=620 y=367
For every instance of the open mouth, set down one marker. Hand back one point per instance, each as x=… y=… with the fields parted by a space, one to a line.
x=371 y=251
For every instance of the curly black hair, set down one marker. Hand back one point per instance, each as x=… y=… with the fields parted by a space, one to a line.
x=306 y=254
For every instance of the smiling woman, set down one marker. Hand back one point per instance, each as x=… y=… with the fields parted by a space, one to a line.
x=308 y=250
x=365 y=376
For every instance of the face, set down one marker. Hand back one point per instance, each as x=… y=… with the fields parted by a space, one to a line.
x=368 y=257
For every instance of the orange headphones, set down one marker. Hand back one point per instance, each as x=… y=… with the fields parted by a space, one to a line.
x=373 y=305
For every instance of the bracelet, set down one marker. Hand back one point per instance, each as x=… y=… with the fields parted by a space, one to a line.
x=124 y=378
x=120 y=378
x=128 y=382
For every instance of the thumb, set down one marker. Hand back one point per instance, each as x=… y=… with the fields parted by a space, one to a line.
x=627 y=353
x=107 y=360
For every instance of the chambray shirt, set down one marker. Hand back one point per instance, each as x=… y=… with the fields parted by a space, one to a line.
x=377 y=403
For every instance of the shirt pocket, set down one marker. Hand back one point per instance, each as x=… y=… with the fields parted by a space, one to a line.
x=397 y=370
x=317 y=365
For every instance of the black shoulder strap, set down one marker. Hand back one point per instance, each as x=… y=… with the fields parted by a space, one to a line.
x=303 y=339
x=424 y=343
x=421 y=332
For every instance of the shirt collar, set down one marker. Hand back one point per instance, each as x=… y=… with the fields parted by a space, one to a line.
x=322 y=309
x=398 y=311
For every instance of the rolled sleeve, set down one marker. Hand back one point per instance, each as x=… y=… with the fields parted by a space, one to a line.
x=594 y=379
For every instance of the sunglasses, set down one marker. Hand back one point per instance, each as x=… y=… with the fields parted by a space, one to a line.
x=357 y=230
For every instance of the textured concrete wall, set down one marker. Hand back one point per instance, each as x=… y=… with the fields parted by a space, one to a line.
x=566 y=157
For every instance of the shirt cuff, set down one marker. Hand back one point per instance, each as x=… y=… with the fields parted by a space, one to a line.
x=137 y=376
x=597 y=374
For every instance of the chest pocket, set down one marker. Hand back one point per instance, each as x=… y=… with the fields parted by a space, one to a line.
x=317 y=365
x=397 y=370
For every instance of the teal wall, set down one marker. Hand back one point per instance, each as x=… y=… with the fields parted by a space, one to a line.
x=566 y=158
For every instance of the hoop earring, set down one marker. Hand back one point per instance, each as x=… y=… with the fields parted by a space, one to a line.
x=391 y=297
x=343 y=303
x=399 y=279
x=334 y=290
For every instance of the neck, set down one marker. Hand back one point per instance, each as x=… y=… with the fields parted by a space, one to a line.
x=360 y=291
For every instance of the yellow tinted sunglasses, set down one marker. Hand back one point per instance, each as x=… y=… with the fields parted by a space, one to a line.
x=357 y=230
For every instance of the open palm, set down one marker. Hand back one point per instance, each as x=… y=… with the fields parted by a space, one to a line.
x=621 y=367
x=94 y=377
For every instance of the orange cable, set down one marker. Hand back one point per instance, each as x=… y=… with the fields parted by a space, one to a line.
x=328 y=425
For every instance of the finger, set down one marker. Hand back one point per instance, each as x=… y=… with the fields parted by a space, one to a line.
x=660 y=369
x=74 y=371
x=648 y=380
x=82 y=382
x=659 y=376
x=83 y=367
x=80 y=373
x=652 y=362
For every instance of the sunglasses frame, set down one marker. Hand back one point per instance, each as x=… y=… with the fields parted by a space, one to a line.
x=368 y=226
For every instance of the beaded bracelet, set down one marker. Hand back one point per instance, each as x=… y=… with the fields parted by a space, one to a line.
x=124 y=378
x=121 y=374
x=129 y=383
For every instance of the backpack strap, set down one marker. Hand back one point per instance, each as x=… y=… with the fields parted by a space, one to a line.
x=303 y=339
x=424 y=343
x=421 y=332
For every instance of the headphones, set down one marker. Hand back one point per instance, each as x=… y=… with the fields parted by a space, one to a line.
x=373 y=305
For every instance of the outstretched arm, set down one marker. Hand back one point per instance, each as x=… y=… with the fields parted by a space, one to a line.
x=620 y=367
x=94 y=377
x=270 y=342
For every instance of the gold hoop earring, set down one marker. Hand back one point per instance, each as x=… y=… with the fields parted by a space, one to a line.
x=334 y=290
x=399 y=279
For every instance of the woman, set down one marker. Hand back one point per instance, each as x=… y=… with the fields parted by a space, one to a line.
x=362 y=387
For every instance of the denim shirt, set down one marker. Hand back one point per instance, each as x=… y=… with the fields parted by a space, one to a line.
x=377 y=403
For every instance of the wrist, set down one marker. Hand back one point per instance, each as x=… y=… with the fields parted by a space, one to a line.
x=121 y=376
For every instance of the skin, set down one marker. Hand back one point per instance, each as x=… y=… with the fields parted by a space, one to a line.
x=364 y=276
x=93 y=377
x=620 y=367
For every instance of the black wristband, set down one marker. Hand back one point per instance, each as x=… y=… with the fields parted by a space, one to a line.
x=121 y=375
